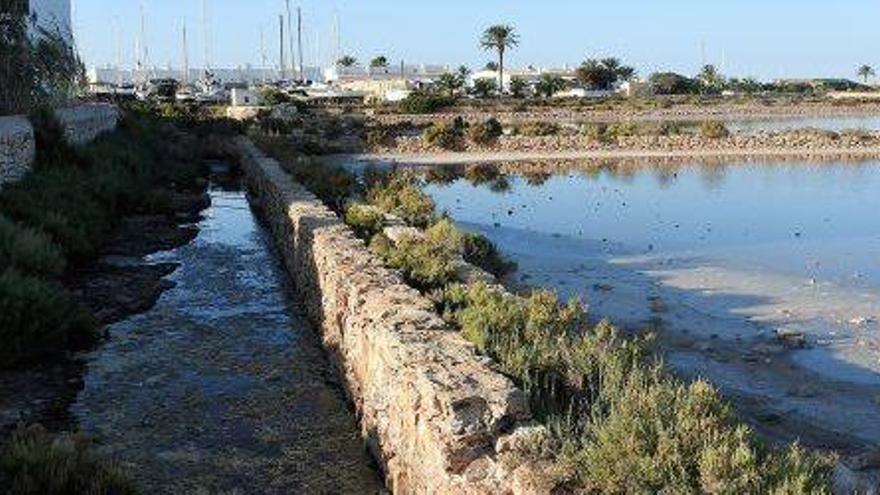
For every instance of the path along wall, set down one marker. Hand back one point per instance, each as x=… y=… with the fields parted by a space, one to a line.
x=437 y=417
x=81 y=124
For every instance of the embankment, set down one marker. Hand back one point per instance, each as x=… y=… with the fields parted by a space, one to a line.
x=437 y=418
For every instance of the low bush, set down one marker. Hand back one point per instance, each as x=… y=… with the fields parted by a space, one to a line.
x=29 y=251
x=380 y=137
x=537 y=129
x=366 y=220
x=480 y=251
x=426 y=264
x=38 y=318
x=443 y=135
x=485 y=133
x=36 y=463
x=714 y=130
x=625 y=424
x=399 y=196
x=421 y=103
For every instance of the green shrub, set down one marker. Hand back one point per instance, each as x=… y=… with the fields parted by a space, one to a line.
x=443 y=135
x=714 y=130
x=366 y=220
x=485 y=133
x=380 y=137
x=539 y=128
x=401 y=197
x=28 y=251
x=480 y=251
x=421 y=103
x=36 y=463
x=37 y=318
x=425 y=264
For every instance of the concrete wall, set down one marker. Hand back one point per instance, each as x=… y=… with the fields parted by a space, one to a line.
x=81 y=125
x=438 y=418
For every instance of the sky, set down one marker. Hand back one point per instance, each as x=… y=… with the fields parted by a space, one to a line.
x=761 y=38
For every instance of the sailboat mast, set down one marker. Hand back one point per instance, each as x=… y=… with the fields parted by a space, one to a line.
x=281 y=43
x=290 y=40
x=185 y=56
x=299 y=37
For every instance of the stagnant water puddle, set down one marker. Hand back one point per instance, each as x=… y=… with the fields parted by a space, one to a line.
x=223 y=387
x=721 y=261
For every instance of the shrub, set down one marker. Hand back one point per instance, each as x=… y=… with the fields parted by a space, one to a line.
x=402 y=198
x=421 y=103
x=485 y=133
x=37 y=318
x=443 y=135
x=714 y=130
x=273 y=96
x=425 y=264
x=539 y=128
x=366 y=220
x=480 y=251
x=28 y=251
x=380 y=137
x=35 y=463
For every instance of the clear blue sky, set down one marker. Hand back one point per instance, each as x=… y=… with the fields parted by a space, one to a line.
x=767 y=38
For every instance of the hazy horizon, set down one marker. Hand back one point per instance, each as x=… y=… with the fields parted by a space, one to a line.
x=749 y=38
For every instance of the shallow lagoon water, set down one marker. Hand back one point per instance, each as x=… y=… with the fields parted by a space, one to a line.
x=223 y=386
x=836 y=124
x=721 y=259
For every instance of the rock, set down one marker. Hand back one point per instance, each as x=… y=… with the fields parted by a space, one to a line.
x=791 y=338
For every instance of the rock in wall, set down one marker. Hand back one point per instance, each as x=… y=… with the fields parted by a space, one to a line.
x=437 y=417
x=17 y=148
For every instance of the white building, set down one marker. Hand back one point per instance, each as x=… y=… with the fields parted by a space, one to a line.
x=51 y=16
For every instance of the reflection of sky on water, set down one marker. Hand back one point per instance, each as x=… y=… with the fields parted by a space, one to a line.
x=836 y=124
x=805 y=219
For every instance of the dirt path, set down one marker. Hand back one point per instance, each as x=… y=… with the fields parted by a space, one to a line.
x=223 y=387
x=449 y=158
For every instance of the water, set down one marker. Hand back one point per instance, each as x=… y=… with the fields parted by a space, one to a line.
x=223 y=387
x=718 y=260
x=836 y=124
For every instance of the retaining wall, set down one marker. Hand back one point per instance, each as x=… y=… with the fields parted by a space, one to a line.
x=81 y=124
x=438 y=418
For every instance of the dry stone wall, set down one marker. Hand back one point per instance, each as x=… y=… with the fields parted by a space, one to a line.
x=438 y=418
x=81 y=124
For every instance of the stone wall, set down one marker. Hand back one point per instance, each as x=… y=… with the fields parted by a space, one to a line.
x=81 y=124
x=17 y=148
x=438 y=418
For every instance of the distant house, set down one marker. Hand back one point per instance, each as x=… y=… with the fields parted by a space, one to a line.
x=51 y=16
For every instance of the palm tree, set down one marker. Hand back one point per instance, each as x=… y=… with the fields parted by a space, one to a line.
x=500 y=38
x=347 y=61
x=380 y=62
x=866 y=72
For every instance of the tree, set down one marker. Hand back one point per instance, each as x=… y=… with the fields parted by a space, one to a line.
x=380 y=62
x=866 y=72
x=670 y=83
x=500 y=38
x=483 y=88
x=492 y=66
x=518 y=87
x=710 y=79
x=549 y=85
x=603 y=74
x=463 y=73
x=347 y=61
x=449 y=83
